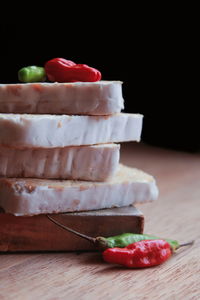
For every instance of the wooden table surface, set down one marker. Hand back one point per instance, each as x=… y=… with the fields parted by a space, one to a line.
x=84 y=276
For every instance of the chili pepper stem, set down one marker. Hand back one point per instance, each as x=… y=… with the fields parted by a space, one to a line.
x=103 y=243
x=185 y=244
x=90 y=239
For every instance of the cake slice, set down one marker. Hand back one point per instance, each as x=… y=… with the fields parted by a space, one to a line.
x=87 y=98
x=40 y=196
x=20 y=131
x=94 y=163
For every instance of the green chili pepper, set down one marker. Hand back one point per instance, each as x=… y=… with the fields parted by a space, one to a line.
x=119 y=241
x=126 y=239
x=31 y=74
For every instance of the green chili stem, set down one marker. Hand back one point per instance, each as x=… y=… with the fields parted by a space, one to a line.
x=116 y=241
x=91 y=239
x=186 y=244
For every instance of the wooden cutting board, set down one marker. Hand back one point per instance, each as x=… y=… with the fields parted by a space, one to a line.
x=38 y=233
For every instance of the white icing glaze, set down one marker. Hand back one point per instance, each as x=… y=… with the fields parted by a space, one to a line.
x=34 y=196
x=48 y=131
x=95 y=163
x=91 y=98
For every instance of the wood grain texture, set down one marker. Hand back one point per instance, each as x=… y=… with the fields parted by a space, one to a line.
x=38 y=233
x=54 y=276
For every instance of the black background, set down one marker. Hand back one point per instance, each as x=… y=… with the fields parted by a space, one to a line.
x=154 y=57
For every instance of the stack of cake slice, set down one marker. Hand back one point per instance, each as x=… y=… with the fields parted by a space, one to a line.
x=58 y=151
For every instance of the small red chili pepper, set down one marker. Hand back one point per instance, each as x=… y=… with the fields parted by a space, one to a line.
x=62 y=70
x=140 y=254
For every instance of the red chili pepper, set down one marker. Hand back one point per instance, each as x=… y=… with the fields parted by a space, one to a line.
x=141 y=254
x=62 y=70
